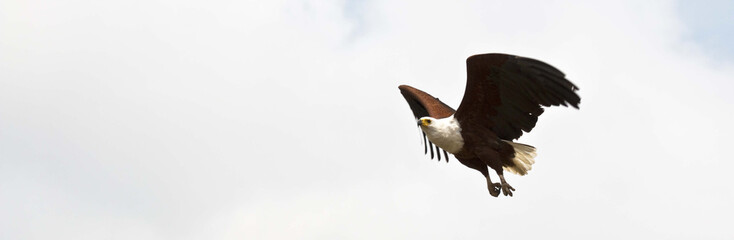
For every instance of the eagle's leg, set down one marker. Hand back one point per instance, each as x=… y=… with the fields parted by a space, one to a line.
x=506 y=188
x=477 y=164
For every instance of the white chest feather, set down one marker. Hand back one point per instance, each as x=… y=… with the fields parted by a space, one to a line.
x=445 y=133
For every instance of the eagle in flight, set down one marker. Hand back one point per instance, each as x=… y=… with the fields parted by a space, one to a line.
x=504 y=96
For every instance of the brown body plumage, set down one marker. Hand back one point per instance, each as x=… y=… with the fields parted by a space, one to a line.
x=504 y=96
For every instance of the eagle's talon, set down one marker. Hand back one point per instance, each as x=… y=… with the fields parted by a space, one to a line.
x=507 y=189
x=494 y=189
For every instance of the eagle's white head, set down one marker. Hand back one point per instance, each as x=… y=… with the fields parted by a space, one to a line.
x=444 y=132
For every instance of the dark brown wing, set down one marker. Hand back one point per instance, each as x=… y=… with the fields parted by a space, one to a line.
x=423 y=104
x=506 y=93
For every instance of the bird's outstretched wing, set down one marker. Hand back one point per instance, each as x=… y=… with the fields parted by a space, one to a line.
x=506 y=92
x=423 y=104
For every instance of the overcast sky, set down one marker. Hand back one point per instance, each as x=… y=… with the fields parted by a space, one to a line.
x=163 y=119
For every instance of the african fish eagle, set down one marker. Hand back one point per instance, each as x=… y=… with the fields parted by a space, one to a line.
x=504 y=96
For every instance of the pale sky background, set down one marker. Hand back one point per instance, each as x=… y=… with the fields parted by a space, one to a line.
x=164 y=119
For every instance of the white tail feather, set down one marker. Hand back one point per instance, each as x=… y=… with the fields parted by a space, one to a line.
x=524 y=158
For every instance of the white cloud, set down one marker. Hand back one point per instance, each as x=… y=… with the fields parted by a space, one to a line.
x=282 y=119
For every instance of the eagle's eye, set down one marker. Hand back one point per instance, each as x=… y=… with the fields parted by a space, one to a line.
x=425 y=122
